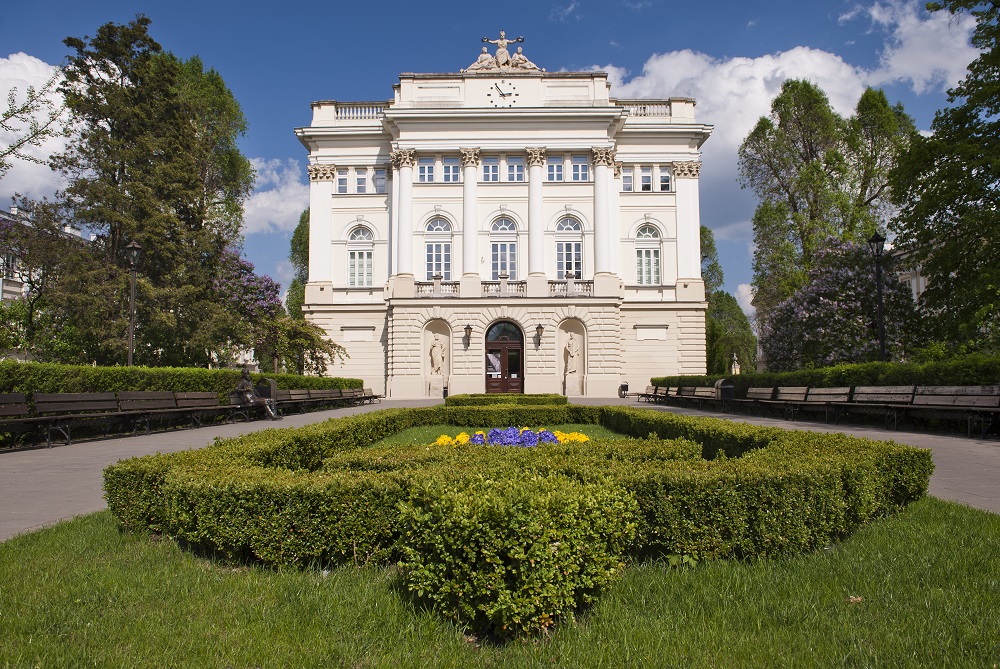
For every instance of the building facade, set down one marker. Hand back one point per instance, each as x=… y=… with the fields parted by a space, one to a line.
x=505 y=229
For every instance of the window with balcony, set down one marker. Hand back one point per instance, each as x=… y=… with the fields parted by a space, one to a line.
x=437 y=248
x=503 y=249
x=569 y=248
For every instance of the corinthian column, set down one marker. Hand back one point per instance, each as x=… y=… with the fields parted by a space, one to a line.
x=470 y=211
x=688 y=220
x=403 y=161
x=536 y=237
x=604 y=162
x=321 y=178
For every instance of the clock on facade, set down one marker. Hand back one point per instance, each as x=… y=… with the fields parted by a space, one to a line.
x=502 y=94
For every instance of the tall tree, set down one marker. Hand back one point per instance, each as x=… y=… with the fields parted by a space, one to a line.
x=832 y=319
x=817 y=176
x=949 y=194
x=728 y=330
x=156 y=162
x=298 y=255
x=29 y=121
x=711 y=269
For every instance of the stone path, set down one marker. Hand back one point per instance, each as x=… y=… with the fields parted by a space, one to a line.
x=43 y=486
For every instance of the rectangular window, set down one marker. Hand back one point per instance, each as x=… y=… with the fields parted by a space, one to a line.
x=664 y=180
x=425 y=170
x=451 y=170
x=515 y=168
x=504 y=260
x=361 y=181
x=581 y=168
x=555 y=168
x=569 y=258
x=439 y=260
x=646 y=179
x=491 y=168
x=627 y=180
x=380 y=181
x=359 y=268
x=647 y=267
x=342 y=181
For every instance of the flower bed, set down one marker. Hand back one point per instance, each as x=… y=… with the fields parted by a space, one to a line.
x=512 y=436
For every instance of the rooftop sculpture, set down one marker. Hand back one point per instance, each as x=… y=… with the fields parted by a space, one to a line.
x=502 y=61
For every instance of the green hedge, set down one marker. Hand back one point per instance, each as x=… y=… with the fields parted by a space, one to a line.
x=503 y=398
x=972 y=370
x=704 y=488
x=31 y=377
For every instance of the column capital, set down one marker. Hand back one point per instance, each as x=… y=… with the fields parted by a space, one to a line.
x=686 y=170
x=403 y=158
x=322 y=172
x=470 y=157
x=536 y=156
x=603 y=156
x=618 y=168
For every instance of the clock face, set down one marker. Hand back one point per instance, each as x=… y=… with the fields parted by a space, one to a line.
x=502 y=94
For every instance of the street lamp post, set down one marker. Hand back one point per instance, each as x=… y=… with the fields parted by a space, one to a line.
x=876 y=244
x=133 y=250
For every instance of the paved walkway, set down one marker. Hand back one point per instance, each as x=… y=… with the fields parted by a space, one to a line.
x=43 y=486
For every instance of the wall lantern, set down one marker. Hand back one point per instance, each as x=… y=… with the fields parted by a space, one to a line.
x=468 y=336
x=539 y=329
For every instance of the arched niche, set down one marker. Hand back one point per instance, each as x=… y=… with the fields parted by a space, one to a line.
x=436 y=350
x=572 y=348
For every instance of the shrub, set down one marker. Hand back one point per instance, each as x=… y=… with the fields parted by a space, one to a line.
x=503 y=398
x=511 y=557
x=703 y=488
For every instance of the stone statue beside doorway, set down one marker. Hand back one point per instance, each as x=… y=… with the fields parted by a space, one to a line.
x=437 y=354
x=572 y=356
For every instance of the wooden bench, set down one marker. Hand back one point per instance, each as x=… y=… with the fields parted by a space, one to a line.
x=889 y=402
x=61 y=412
x=370 y=397
x=199 y=406
x=141 y=407
x=977 y=406
x=646 y=395
x=15 y=416
x=785 y=399
x=753 y=399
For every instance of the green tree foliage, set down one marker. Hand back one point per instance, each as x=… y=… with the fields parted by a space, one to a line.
x=729 y=334
x=949 y=196
x=156 y=162
x=296 y=345
x=818 y=176
x=298 y=255
x=833 y=318
x=728 y=330
x=711 y=269
x=30 y=121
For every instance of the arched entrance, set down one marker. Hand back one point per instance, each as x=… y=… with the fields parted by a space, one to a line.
x=504 y=358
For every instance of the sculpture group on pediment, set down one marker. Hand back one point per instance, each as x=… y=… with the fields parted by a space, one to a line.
x=503 y=60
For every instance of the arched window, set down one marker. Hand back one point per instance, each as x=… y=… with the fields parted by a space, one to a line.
x=503 y=248
x=437 y=245
x=647 y=256
x=569 y=248
x=360 y=248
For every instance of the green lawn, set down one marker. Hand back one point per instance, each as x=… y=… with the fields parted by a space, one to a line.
x=918 y=590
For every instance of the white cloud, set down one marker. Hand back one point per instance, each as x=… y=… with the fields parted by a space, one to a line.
x=279 y=199
x=744 y=297
x=560 y=13
x=929 y=51
x=734 y=93
x=19 y=71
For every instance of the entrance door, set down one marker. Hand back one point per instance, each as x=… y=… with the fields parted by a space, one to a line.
x=504 y=359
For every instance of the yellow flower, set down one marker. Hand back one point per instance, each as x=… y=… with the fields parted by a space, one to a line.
x=443 y=440
x=462 y=439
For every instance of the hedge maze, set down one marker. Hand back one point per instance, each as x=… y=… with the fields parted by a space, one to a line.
x=508 y=541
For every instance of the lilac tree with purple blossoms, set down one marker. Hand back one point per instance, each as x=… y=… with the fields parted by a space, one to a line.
x=832 y=319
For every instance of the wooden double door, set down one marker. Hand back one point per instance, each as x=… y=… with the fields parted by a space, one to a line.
x=504 y=358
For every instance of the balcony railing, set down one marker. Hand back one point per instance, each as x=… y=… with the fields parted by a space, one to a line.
x=503 y=288
x=571 y=288
x=637 y=108
x=437 y=288
x=359 y=111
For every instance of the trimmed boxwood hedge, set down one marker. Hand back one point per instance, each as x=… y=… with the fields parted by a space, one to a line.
x=971 y=370
x=503 y=398
x=699 y=487
x=32 y=377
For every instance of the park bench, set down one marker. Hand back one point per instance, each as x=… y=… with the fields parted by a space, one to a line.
x=889 y=402
x=785 y=399
x=977 y=406
x=646 y=395
x=201 y=405
x=826 y=401
x=698 y=396
x=370 y=397
x=61 y=412
x=15 y=416
x=751 y=403
x=293 y=401
x=141 y=407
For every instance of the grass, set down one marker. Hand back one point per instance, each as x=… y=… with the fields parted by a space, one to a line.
x=921 y=589
x=427 y=434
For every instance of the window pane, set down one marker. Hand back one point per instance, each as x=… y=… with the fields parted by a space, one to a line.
x=425 y=170
x=451 y=170
x=380 y=181
x=627 y=180
x=581 y=168
x=646 y=175
x=664 y=179
x=515 y=168
x=491 y=168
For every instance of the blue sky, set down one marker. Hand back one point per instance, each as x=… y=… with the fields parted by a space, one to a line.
x=731 y=57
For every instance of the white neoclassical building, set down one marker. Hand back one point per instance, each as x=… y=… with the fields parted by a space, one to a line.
x=506 y=229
